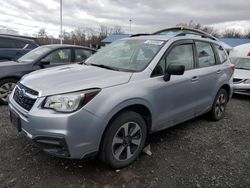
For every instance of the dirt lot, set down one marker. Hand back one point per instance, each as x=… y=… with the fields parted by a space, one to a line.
x=198 y=153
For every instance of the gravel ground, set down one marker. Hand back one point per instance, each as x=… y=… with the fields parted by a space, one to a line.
x=198 y=153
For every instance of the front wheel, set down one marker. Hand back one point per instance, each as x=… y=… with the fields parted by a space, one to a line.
x=124 y=140
x=219 y=105
x=6 y=87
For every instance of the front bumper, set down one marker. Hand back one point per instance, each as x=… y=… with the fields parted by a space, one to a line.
x=73 y=135
x=242 y=89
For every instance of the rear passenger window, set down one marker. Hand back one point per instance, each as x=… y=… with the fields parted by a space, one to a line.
x=221 y=52
x=181 y=55
x=205 y=54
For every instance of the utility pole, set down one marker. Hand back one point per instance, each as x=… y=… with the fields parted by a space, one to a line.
x=130 y=21
x=61 y=35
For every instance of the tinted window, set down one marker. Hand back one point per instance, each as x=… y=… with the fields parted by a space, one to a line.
x=82 y=54
x=205 y=54
x=181 y=55
x=221 y=52
x=11 y=43
x=60 y=56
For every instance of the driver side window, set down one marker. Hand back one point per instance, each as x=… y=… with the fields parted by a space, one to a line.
x=179 y=55
x=59 y=56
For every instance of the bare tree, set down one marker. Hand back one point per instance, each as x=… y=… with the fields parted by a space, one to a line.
x=103 y=31
x=42 y=33
x=232 y=33
x=247 y=35
x=66 y=35
x=201 y=27
x=116 y=30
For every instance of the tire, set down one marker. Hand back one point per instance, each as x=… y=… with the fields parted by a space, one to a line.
x=6 y=87
x=219 y=105
x=120 y=148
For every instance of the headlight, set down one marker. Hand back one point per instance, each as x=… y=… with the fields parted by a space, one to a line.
x=247 y=81
x=70 y=102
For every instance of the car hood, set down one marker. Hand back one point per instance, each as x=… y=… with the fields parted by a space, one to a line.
x=8 y=63
x=242 y=74
x=72 y=78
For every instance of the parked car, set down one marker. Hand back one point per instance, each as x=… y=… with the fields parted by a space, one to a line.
x=240 y=56
x=13 y=47
x=39 y=58
x=127 y=90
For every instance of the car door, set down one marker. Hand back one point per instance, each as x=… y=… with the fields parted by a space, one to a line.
x=174 y=100
x=58 y=57
x=208 y=72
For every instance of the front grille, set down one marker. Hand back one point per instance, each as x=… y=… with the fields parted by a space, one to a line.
x=25 y=96
x=237 y=80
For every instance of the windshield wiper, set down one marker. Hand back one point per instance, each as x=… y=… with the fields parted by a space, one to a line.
x=105 y=67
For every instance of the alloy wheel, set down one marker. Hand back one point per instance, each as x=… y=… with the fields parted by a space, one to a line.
x=126 y=141
x=220 y=105
x=5 y=91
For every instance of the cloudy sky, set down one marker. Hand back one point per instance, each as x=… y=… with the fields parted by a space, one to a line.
x=27 y=16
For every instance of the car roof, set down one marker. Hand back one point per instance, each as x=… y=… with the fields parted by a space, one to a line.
x=58 y=46
x=17 y=38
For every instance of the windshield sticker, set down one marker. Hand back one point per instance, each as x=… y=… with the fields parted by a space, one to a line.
x=154 y=42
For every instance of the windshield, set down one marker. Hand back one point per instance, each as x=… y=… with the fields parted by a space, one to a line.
x=126 y=55
x=241 y=63
x=34 y=55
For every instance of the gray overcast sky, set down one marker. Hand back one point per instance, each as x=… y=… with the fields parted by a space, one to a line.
x=27 y=16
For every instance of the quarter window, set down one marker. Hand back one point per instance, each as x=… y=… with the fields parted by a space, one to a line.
x=221 y=52
x=205 y=54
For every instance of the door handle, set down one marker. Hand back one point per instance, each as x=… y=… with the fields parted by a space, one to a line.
x=218 y=71
x=195 y=78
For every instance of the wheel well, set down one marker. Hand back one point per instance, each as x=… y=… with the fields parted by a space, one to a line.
x=11 y=77
x=140 y=109
x=227 y=88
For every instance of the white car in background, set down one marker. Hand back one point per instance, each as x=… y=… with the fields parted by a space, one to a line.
x=240 y=57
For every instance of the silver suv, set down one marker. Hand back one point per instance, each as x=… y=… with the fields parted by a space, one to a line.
x=109 y=104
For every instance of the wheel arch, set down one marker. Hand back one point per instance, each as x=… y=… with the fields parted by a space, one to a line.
x=139 y=108
x=227 y=88
x=10 y=77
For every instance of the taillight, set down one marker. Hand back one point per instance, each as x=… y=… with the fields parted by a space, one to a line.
x=248 y=53
x=232 y=66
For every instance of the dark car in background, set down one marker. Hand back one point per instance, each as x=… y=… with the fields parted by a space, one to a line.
x=39 y=58
x=13 y=47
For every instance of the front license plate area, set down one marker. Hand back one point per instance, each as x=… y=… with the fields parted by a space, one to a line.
x=15 y=120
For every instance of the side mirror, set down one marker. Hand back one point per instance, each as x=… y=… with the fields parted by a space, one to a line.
x=173 y=70
x=44 y=62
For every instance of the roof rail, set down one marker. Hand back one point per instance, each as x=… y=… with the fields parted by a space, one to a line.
x=190 y=33
x=182 y=31
x=139 y=34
